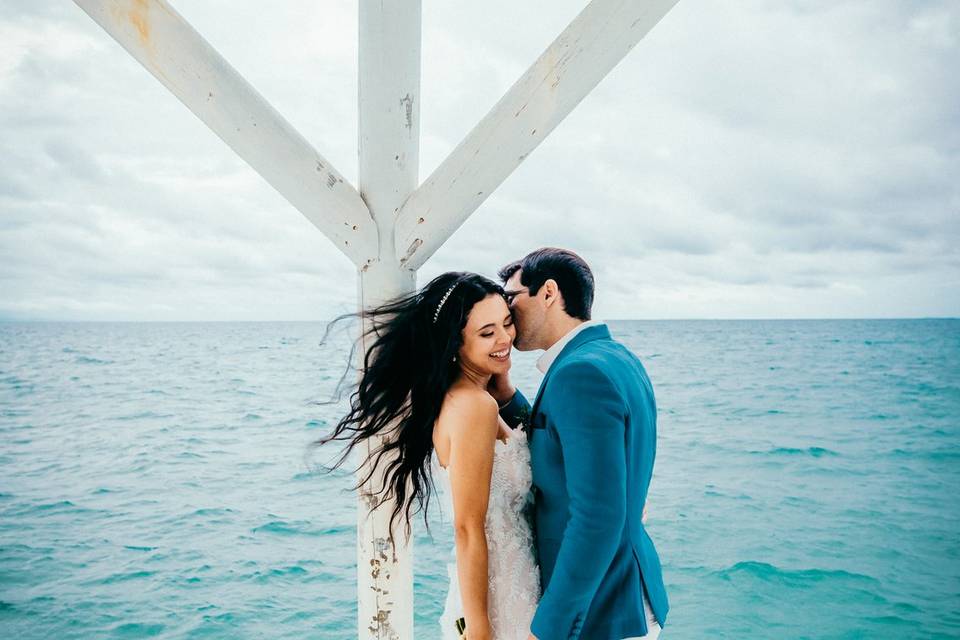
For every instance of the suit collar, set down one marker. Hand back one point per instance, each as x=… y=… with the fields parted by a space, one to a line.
x=596 y=332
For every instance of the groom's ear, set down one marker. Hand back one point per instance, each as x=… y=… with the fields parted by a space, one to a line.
x=551 y=291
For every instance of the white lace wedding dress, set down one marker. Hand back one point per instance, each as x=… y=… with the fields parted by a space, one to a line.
x=513 y=576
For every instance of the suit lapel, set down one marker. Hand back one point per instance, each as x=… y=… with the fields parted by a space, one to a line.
x=587 y=335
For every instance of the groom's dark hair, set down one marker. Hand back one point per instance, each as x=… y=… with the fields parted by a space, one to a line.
x=570 y=271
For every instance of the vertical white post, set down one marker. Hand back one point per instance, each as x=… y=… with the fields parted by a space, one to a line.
x=389 y=146
x=384 y=564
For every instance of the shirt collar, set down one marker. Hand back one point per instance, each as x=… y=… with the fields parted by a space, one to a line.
x=551 y=354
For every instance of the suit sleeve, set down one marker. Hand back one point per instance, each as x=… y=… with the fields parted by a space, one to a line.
x=589 y=417
x=517 y=411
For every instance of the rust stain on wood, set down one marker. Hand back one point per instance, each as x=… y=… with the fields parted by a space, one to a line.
x=139 y=18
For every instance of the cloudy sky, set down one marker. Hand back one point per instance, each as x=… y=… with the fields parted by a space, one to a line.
x=763 y=158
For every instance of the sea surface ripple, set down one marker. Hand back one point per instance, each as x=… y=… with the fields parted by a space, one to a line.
x=156 y=480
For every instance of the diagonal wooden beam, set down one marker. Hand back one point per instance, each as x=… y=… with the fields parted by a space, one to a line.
x=163 y=42
x=580 y=57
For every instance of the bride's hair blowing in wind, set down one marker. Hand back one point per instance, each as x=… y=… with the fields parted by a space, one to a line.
x=407 y=371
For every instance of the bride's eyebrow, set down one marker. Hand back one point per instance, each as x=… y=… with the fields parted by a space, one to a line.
x=509 y=316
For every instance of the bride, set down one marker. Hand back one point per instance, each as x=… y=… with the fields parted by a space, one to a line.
x=425 y=384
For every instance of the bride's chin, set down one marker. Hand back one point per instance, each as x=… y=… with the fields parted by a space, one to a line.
x=499 y=368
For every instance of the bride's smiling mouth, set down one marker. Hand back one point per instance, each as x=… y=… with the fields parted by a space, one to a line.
x=501 y=356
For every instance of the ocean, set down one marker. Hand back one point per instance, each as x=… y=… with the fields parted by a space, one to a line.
x=156 y=481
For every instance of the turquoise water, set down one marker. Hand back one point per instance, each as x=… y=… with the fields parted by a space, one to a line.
x=153 y=481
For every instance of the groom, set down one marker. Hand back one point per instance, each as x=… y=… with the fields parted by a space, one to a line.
x=592 y=441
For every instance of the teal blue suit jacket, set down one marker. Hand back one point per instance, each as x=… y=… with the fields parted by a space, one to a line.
x=592 y=433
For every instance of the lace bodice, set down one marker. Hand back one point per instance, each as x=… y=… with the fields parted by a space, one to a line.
x=513 y=576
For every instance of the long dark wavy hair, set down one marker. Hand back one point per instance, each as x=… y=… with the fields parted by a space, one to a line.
x=406 y=373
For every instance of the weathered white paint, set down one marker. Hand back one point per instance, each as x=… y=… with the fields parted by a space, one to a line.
x=581 y=56
x=389 y=147
x=163 y=42
x=384 y=565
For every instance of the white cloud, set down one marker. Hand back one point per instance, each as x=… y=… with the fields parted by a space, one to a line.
x=751 y=159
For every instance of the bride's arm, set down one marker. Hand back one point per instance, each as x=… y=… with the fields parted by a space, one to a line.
x=473 y=426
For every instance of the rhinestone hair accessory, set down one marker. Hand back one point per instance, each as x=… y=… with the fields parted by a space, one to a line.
x=436 y=314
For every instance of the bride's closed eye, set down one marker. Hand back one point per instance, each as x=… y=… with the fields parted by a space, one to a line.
x=506 y=323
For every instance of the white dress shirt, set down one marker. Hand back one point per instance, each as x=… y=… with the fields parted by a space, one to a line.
x=551 y=354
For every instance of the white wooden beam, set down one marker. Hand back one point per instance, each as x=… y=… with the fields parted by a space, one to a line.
x=384 y=562
x=163 y=42
x=389 y=90
x=580 y=57
x=389 y=145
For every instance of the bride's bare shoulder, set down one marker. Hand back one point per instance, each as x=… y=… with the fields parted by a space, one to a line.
x=466 y=408
x=469 y=399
